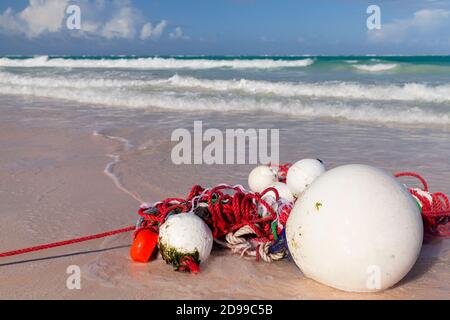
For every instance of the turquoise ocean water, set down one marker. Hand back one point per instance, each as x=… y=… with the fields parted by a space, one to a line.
x=382 y=89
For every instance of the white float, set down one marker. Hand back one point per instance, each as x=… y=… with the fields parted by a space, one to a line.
x=261 y=177
x=283 y=192
x=356 y=228
x=184 y=234
x=302 y=173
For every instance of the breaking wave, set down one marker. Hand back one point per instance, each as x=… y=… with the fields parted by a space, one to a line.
x=154 y=63
x=376 y=67
x=16 y=84
x=344 y=90
x=340 y=100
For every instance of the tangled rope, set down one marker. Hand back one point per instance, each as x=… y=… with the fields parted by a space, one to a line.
x=252 y=224
x=281 y=170
x=238 y=243
x=435 y=207
x=248 y=223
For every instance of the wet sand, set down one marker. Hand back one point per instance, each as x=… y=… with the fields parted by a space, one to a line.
x=53 y=186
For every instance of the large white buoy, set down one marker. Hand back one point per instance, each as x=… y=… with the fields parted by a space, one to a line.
x=185 y=234
x=302 y=173
x=356 y=228
x=283 y=192
x=261 y=177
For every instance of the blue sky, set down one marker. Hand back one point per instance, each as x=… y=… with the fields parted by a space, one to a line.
x=228 y=27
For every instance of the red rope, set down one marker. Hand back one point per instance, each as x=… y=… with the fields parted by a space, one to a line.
x=414 y=175
x=435 y=212
x=189 y=264
x=230 y=208
x=282 y=171
x=67 y=242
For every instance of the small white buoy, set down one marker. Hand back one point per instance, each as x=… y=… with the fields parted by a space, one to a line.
x=356 y=228
x=302 y=173
x=283 y=192
x=261 y=177
x=182 y=235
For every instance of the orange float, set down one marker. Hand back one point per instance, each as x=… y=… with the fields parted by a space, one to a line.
x=143 y=245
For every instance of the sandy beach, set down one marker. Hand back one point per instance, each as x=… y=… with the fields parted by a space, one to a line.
x=54 y=186
x=249 y=146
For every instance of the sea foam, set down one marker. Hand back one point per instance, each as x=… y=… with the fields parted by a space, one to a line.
x=97 y=84
x=378 y=67
x=251 y=101
x=17 y=84
x=154 y=63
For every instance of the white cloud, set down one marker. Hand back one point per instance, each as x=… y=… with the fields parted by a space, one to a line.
x=148 y=31
x=39 y=17
x=423 y=22
x=44 y=16
x=117 y=20
x=90 y=27
x=121 y=25
x=178 y=34
x=8 y=22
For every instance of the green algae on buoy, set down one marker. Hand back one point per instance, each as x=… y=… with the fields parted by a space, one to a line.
x=185 y=238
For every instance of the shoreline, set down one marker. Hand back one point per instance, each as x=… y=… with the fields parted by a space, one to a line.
x=53 y=187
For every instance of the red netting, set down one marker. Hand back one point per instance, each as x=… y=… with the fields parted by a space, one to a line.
x=226 y=209
x=435 y=207
x=282 y=170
